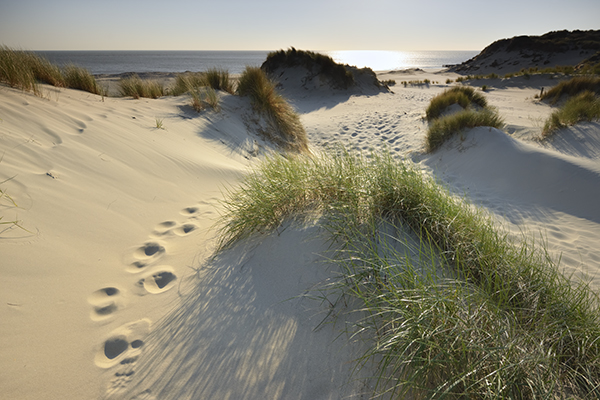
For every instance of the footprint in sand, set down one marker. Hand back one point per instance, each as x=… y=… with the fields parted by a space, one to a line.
x=123 y=345
x=145 y=255
x=190 y=211
x=169 y=228
x=121 y=351
x=185 y=229
x=105 y=302
x=158 y=281
x=149 y=250
x=163 y=228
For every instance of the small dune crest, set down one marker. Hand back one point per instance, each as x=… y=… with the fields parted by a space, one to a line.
x=306 y=70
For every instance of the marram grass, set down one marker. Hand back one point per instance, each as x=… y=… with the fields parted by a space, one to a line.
x=475 y=112
x=135 y=87
x=285 y=128
x=582 y=107
x=572 y=87
x=464 y=96
x=215 y=78
x=441 y=129
x=25 y=70
x=454 y=309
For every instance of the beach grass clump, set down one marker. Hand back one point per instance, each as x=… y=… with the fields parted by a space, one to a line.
x=44 y=71
x=475 y=112
x=204 y=97
x=215 y=78
x=441 y=129
x=16 y=71
x=583 y=107
x=572 y=87
x=24 y=70
x=285 y=128
x=464 y=96
x=136 y=87
x=186 y=81
x=315 y=62
x=452 y=308
x=81 y=79
x=219 y=79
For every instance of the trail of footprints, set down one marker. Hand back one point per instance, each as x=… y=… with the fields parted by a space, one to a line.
x=379 y=129
x=124 y=345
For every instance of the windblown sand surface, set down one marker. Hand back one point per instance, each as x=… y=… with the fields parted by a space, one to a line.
x=109 y=290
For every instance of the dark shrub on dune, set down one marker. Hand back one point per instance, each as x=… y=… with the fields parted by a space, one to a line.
x=315 y=62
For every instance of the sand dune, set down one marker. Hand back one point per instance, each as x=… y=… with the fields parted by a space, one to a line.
x=109 y=291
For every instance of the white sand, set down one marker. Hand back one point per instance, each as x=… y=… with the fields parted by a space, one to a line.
x=108 y=292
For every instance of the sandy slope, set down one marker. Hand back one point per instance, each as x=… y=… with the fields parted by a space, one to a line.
x=109 y=292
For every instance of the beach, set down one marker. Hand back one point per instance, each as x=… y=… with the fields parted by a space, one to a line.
x=111 y=287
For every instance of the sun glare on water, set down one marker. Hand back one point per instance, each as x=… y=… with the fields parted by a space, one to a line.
x=377 y=60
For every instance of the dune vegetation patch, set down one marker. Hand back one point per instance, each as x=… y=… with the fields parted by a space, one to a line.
x=582 y=107
x=284 y=126
x=219 y=79
x=215 y=78
x=317 y=63
x=136 y=87
x=25 y=70
x=465 y=96
x=572 y=87
x=474 y=112
x=454 y=308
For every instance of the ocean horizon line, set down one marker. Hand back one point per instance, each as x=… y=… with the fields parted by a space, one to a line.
x=107 y=62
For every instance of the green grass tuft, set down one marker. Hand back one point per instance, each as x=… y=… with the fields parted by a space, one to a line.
x=572 y=87
x=464 y=96
x=475 y=113
x=583 y=107
x=24 y=70
x=441 y=129
x=454 y=309
x=187 y=81
x=285 y=128
x=215 y=78
x=136 y=87
x=81 y=79
x=218 y=79
x=203 y=97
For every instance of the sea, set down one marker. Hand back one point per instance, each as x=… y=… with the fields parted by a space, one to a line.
x=118 y=62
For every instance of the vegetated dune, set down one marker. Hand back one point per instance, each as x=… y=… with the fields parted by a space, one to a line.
x=561 y=48
x=303 y=73
x=109 y=286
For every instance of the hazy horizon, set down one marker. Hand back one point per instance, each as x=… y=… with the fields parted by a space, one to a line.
x=263 y=25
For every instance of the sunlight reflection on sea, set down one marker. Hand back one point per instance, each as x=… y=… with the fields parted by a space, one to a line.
x=382 y=60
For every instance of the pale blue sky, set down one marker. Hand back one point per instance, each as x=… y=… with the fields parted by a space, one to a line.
x=276 y=24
